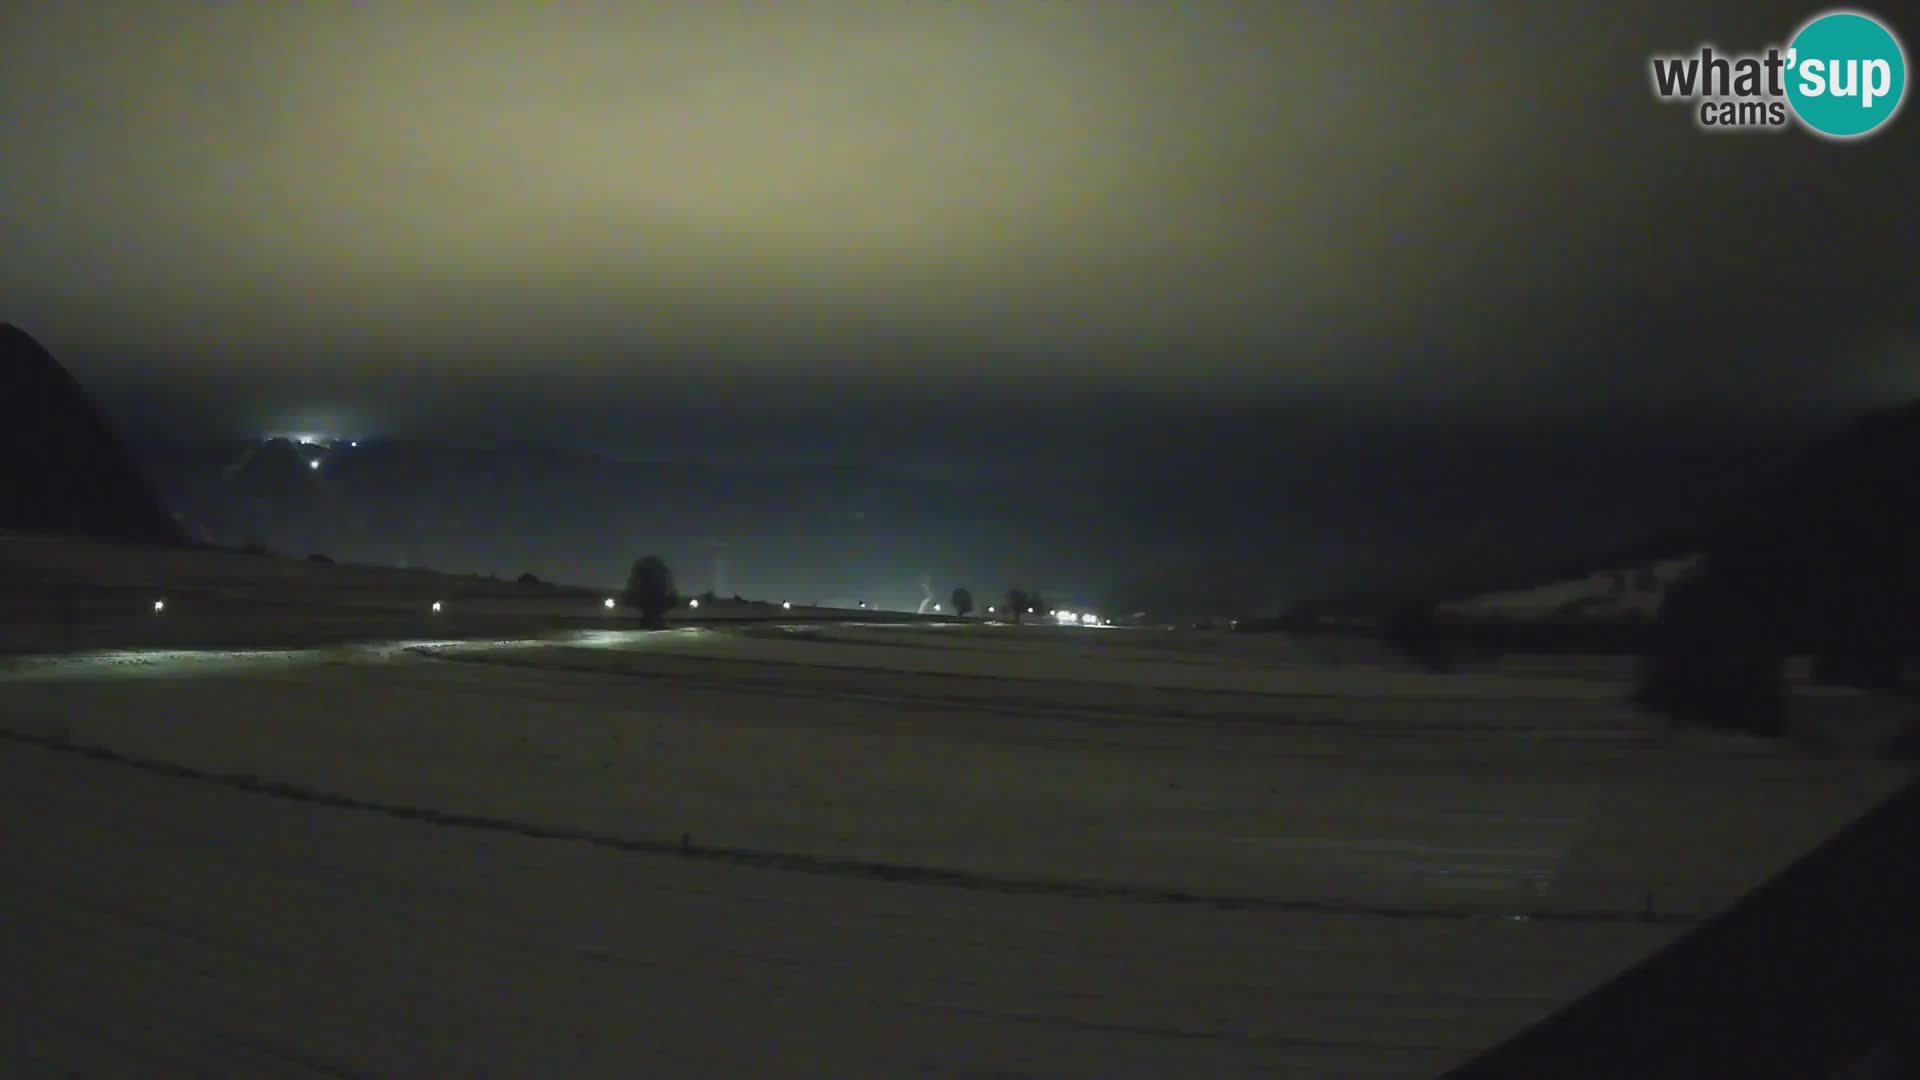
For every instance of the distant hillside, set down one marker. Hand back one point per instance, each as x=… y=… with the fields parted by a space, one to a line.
x=62 y=468
x=1235 y=535
x=1822 y=546
x=1621 y=580
x=1624 y=581
x=1846 y=508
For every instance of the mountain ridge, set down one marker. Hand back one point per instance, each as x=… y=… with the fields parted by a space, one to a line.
x=63 y=469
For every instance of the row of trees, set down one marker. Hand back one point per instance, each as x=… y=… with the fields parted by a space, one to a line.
x=1020 y=602
x=651 y=592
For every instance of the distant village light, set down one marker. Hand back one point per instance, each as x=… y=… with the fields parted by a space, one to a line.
x=608 y=603
x=695 y=602
x=159 y=606
x=436 y=607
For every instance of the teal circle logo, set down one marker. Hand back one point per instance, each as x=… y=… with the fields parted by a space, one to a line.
x=1846 y=74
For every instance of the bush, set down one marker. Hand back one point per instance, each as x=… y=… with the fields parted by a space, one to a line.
x=962 y=602
x=319 y=560
x=530 y=578
x=650 y=590
x=1418 y=635
x=1713 y=662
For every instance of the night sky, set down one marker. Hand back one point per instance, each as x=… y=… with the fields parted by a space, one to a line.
x=951 y=233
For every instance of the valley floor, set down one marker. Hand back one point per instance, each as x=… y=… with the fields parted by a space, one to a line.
x=848 y=849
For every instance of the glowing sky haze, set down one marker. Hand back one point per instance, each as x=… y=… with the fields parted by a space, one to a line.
x=494 y=214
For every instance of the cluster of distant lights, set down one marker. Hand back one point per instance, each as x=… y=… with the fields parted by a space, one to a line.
x=315 y=439
x=1066 y=618
x=437 y=607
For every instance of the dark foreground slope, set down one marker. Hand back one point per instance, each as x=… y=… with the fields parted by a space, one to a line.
x=62 y=469
x=1812 y=975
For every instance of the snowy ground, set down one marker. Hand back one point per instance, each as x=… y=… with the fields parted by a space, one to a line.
x=167 y=928
x=848 y=849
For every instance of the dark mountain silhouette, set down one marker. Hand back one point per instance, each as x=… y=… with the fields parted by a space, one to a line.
x=1825 y=562
x=62 y=469
x=1820 y=557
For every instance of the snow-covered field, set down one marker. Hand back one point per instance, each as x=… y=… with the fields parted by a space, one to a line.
x=847 y=849
x=157 y=927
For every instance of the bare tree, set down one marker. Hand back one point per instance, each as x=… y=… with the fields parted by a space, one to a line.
x=1017 y=602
